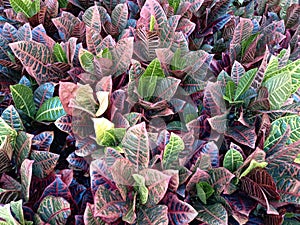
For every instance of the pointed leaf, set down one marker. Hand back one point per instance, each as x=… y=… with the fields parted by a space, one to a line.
x=54 y=210
x=51 y=110
x=23 y=98
x=42 y=93
x=244 y=83
x=11 y=116
x=136 y=146
x=26 y=175
x=233 y=159
x=44 y=163
x=152 y=216
x=119 y=16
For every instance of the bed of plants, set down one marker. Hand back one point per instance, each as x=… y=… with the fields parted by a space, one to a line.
x=150 y=112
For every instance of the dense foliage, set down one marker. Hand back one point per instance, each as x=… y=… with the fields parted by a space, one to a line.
x=150 y=112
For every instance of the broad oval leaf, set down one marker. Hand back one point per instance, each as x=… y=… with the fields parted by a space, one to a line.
x=136 y=146
x=179 y=212
x=156 y=215
x=171 y=152
x=233 y=159
x=11 y=116
x=51 y=110
x=44 y=163
x=43 y=141
x=54 y=210
x=43 y=93
x=23 y=99
x=119 y=16
x=35 y=57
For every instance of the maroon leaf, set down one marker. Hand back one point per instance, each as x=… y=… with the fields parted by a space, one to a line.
x=179 y=212
x=243 y=135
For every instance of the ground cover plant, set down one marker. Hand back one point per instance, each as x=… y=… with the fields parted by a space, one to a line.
x=150 y=112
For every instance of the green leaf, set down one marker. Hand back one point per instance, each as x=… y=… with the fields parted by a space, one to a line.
x=253 y=164
x=213 y=214
x=141 y=188
x=106 y=54
x=51 y=110
x=112 y=137
x=54 y=210
x=204 y=191
x=63 y=3
x=59 y=54
x=297 y=160
x=136 y=145
x=152 y=23
x=279 y=89
x=278 y=128
x=6 y=215
x=27 y=7
x=147 y=82
x=6 y=130
x=246 y=43
x=22 y=147
x=23 y=99
x=44 y=163
x=177 y=62
x=16 y=209
x=233 y=159
x=171 y=152
x=244 y=83
x=11 y=116
x=86 y=60
x=230 y=90
x=101 y=125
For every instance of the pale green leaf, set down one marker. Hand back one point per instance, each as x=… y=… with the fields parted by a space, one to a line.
x=141 y=187
x=253 y=164
x=101 y=125
x=23 y=99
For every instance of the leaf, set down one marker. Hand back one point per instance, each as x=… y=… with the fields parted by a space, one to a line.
x=51 y=110
x=17 y=211
x=277 y=130
x=54 y=210
x=27 y=7
x=237 y=72
x=136 y=146
x=156 y=183
x=67 y=91
x=204 y=191
x=119 y=16
x=89 y=218
x=44 y=163
x=233 y=159
x=11 y=116
x=171 y=152
x=141 y=187
x=77 y=163
x=64 y=123
x=156 y=215
x=6 y=215
x=179 y=212
x=59 y=54
x=102 y=97
x=5 y=155
x=243 y=135
x=152 y=8
x=230 y=90
x=109 y=205
x=43 y=93
x=213 y=214
x=26 y=176
x=35 y=58
x=101 y=125
x=279 y=89
x=86 y=59
x=147 y=82
x=121 y=55
x=253 y=164
x=113 y=137
x=23 y=99
x=43 y=141
x=219 y=179
x=244 y=83
x=22 y=147
x=5 y=129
